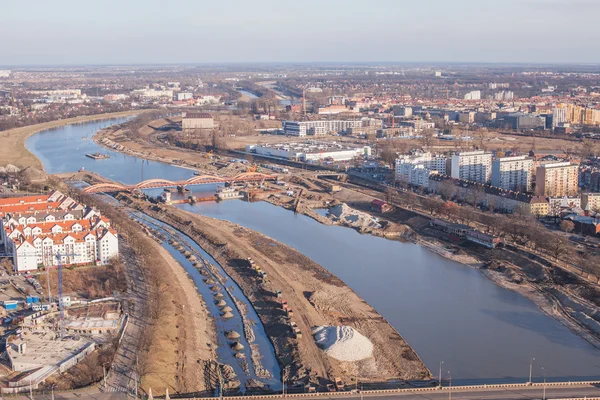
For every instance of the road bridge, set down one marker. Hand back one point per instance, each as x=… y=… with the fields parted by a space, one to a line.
x=196 y=180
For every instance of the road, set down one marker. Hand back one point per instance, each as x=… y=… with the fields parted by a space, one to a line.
x=122 y=377
x=588 y=392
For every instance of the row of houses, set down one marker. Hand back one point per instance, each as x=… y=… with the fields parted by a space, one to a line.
x=38 y=230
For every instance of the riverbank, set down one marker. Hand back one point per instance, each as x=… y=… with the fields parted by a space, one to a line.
x=177 y=333
x=316 y=297
x=576 y=301
x=13 y=150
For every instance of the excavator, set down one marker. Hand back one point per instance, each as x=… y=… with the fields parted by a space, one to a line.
x=254 y=168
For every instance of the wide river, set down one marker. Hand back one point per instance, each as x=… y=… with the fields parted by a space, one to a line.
x=445 y=310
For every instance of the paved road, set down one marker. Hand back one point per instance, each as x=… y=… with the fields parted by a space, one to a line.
x=588 y=392
x=121 y=377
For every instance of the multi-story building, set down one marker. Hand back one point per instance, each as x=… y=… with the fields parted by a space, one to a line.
x=519 y=121
x=466 y=117
x=197 y=121
x=303 y=128
x=557 y=179
x=590 y=202
x=309 y=151
x=35 y=230
x=416 y=169
x=558 y=204
x=474 y=95
x=473 y=166
x=559 y=115
x=512 y=173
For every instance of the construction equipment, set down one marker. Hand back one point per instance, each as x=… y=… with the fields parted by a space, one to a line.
x=254 y=168
x=61 y=305
x=209 y=154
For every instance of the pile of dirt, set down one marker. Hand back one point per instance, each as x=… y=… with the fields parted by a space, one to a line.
x=352 y=218
x=343 y=343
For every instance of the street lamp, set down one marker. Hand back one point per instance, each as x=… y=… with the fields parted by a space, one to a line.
x=450 y=387
x=530 y=368
x=544 y=396
x=283 y=378
x=440 y=376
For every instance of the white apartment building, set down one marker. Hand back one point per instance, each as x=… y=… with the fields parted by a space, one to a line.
x=557 y=179
x=416 y=169
x=303 y=128
x=474 y=95
x=559 y=115
x=473 y=166
x=35 y=229
x=512 y=173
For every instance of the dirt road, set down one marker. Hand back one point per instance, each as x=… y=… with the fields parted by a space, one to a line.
x=315 y=296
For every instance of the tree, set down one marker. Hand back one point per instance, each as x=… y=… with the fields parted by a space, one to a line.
x=427 y=137
x=567 y=226
x=388 y=155
x=447 y=189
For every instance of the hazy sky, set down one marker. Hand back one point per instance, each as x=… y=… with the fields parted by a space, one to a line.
x=199 y=31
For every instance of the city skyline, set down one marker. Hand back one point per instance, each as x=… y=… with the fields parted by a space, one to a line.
x=463 y=31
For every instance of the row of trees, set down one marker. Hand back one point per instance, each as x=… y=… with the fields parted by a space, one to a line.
x=526 y=230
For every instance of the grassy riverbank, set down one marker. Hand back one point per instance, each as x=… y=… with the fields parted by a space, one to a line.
x=13 y=150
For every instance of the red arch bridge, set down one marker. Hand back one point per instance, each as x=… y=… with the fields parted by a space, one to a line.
x=196 y=180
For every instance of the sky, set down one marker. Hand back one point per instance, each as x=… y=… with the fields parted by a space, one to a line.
x=84 y=32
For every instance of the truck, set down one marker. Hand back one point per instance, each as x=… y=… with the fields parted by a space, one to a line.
x=339 y=384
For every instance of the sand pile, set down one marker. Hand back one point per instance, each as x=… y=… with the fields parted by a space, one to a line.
x=343 y=343
x=348 y=216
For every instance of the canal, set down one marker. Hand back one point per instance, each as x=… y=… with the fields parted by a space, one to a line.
x=446 y=311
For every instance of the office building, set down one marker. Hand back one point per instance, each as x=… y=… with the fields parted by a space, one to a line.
x=512 y=173
x=518 y=121
x=557 y=179
x=473 y=166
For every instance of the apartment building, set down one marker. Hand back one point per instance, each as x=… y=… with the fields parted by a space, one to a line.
x=316 y=128
x=36 y=229
x=557 y=179
x=590 y=202
x=473 y=166
x=512 y=173
x=416 y=169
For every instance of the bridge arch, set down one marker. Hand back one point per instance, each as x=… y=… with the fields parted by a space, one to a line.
x=154 y=183
x=105 y=187
x=197 y=180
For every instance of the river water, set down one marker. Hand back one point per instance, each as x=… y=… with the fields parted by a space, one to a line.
x=446 y=311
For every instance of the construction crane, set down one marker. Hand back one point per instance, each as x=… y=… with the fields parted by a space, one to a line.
x=61 y=304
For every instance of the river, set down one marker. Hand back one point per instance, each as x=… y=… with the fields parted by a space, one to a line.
x=445 y=310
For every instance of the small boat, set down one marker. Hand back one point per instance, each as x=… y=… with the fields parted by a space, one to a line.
x=97 y=156
x=84 y=138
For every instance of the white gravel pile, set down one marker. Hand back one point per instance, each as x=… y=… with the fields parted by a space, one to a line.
x=353 y=218
x=343 y=343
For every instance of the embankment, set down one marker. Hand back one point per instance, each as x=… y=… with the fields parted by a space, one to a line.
x=315 y=296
